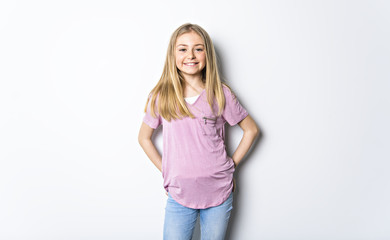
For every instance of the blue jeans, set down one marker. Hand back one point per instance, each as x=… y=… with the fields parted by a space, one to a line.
x=179 y=222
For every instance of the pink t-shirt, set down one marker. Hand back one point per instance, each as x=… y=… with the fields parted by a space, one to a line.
x=196 y=170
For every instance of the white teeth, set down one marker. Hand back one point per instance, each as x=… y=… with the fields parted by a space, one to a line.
x=190 y=64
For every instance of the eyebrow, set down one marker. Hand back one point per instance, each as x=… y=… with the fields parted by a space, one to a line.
x=187 y=45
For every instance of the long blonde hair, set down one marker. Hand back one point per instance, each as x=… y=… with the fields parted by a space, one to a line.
x=169 y=89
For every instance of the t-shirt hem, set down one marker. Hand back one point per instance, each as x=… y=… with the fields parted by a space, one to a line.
x=205 y=206
x=150 y=124
x=244 y=115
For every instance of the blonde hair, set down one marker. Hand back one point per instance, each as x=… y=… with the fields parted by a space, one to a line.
x=169 y=89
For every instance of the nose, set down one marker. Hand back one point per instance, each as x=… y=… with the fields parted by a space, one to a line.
x=191 y=54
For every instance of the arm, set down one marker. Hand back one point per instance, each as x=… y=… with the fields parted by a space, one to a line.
x=251 y=131
x=145 y=140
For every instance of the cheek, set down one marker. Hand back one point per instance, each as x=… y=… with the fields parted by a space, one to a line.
x=177 y=60
x=202 y=55
x=203 y=58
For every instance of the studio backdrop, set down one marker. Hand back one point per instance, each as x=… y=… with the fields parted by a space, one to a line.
x=74 y=80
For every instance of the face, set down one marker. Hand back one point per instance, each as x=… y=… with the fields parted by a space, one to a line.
x=190 y=54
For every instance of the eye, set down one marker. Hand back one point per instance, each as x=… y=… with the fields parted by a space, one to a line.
x=182 y=50
x=199 y=49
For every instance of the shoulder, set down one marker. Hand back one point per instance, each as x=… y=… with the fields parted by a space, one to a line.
x=152 y=102
x=153 y=95
x=228 y=92
x=226 y=89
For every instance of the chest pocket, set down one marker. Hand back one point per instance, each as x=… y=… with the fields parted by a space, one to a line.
x=210 y=125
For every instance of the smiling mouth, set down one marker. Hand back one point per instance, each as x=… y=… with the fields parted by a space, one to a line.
x=190 y=64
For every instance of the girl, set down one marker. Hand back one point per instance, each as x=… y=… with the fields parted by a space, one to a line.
x=192 y=104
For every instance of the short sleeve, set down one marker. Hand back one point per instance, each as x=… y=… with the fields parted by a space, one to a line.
x=233 y=112
x=153 y=122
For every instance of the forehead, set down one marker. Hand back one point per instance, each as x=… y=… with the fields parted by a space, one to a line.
x=190 y=38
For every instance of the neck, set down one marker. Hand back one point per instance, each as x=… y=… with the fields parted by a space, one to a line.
x=194 y=82
x=193 y=85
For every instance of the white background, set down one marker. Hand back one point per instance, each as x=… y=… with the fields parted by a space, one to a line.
x=75 y=76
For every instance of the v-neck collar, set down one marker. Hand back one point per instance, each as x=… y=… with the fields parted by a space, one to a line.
x=192 y=104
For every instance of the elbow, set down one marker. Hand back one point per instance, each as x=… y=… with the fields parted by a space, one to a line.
x=144 y=135
x=256 y=131
x=141 y=140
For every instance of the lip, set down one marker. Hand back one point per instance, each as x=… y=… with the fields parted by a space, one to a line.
x=195 y=63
